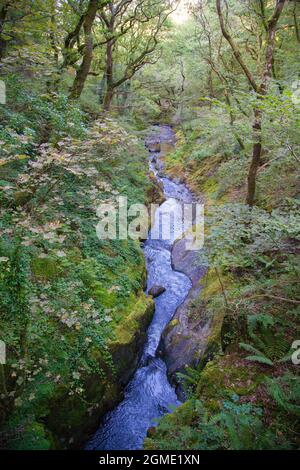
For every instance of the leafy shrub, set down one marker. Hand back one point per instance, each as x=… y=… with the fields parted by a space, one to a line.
x=285 y=390
x=244 y=238
x=236 y=426
x=235 y=170
x=32 y=116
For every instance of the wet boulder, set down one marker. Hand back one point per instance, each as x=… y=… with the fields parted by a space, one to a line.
x=155 y=193
x=156 y=291
x=154 y=146
x=186 y=339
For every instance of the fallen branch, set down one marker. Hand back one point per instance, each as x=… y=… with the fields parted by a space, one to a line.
x=293 y=153
x=275 y=297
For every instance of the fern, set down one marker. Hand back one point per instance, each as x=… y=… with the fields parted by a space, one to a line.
x=286 y=392
x=258 y=355
x=251 y=349
x=191 y=376
x=271 y=349
x=189 y=379
x=261 y=359
x=287 y=357
x=262 y=321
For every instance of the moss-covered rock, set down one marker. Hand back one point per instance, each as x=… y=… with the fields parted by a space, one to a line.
x=130 y=336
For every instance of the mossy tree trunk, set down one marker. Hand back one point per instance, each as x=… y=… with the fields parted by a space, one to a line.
x=109 y=93
x=260 y=89
x=84 y=68
x=3 y=15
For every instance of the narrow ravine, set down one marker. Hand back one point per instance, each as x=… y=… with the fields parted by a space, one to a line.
x=149 y=394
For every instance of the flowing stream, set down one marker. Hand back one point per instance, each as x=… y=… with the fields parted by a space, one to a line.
x=149 y=394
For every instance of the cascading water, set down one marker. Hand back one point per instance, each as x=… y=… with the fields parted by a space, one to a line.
x=149 y=394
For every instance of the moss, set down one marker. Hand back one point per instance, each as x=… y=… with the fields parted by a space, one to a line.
x=221 y=380
x=211 y=285
x=166 y=148
x=22 y=197
x=130 y=335
x=176 y=170
x=69 y=329
x=103 y=295
x=210 y=187
x=140 y=313
x=199 y=175
x=10 y=170
x=74 y=255
x=225 y=380
x=212 y=405
x=171 y=425
x=222 y=376
x=70 y=419
x=30 y=435
x=45 y=268
x=174 y=322
x=73 y=418
x=214 y=339
x=184 y=414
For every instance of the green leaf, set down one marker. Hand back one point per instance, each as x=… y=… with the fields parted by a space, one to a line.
x=261 y=359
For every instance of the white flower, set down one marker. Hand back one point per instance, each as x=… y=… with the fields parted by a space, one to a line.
x=60 y=253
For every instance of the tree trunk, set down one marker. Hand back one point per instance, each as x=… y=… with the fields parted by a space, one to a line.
x=256 y=156
x=83 y=71
x=261 y=90
x=3 y=14
x=84 y=68
x=232 y=117
x=296 y=23
x=109 y=92
x=108 y=99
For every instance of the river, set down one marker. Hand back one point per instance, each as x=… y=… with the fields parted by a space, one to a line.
x=149 y=394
